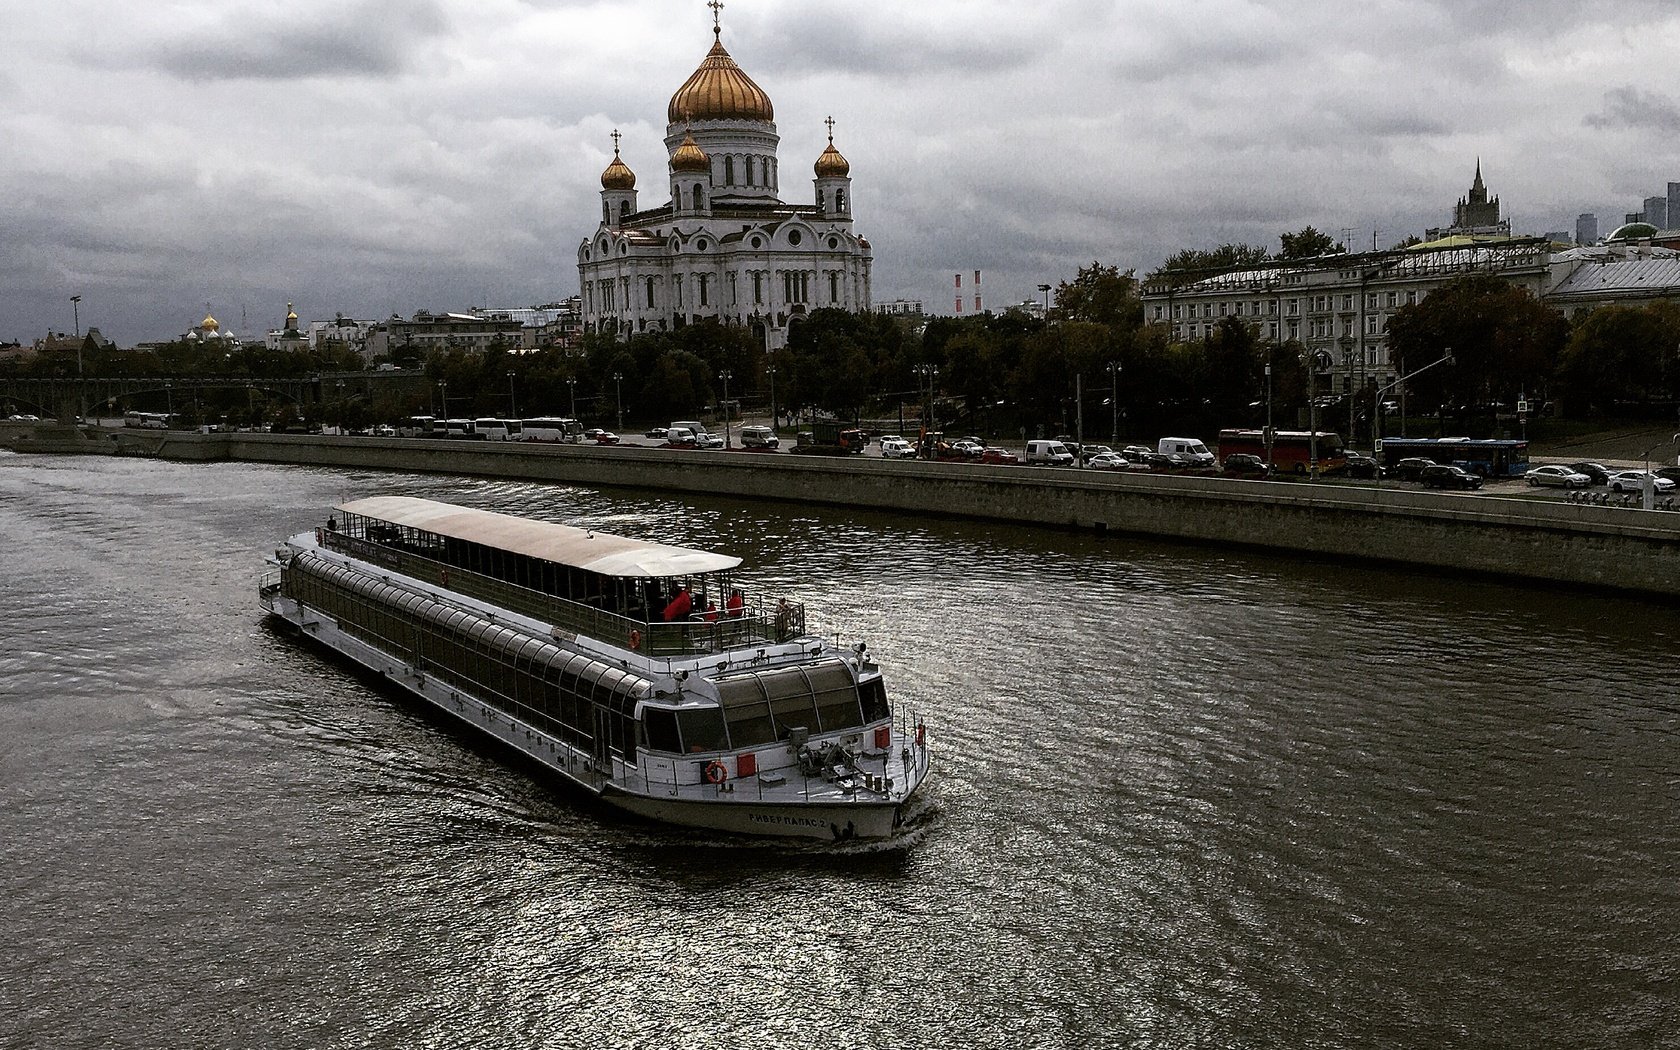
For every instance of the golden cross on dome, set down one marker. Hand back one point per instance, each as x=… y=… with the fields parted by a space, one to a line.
x=830 y=123
x=615 y=137
x=717 y=15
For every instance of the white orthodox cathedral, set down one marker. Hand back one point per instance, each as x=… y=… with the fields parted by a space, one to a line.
x=724 y=246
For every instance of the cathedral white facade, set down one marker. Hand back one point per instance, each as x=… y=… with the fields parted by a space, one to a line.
x=724 y=246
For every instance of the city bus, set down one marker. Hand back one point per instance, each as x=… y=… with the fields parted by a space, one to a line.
x=147 y=420
x=459 y=428
x=552 y=428
x=1292 y=450
x=1489 y=457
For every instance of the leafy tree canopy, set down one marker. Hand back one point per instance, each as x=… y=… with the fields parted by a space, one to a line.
x=1307 y=244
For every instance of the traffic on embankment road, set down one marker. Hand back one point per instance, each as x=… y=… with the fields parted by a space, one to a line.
x=1501 y=529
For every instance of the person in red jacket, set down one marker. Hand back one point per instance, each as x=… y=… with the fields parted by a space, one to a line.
x=680 y=606
x=736 y=606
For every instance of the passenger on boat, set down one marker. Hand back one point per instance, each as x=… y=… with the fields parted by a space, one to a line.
x=711 y=615
x=736 y=605
x=784 y=621
x=680 y=605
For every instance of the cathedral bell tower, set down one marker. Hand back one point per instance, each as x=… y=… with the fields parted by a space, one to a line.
x=834 y=183
x=691 y=179
x=618 y=190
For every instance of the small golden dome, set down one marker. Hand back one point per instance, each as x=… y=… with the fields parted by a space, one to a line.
x=618 y=175
x=210 y=324
x=831 y=165
x=291 y=316
x=719 y=90
x=690 y=157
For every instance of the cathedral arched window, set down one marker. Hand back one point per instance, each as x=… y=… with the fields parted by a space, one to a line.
x=623 y=210
x=840 y=200
x=729 y=171
x=699 y=199
x=833 y=287
x=606 y=212
x=749 y=171
x=650 y=293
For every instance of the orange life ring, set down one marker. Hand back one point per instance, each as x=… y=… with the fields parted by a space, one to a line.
x=635 y=639
x=716 y=772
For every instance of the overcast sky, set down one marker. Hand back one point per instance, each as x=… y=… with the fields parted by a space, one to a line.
x=373 y=157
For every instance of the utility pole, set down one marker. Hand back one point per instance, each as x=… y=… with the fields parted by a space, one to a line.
x=727 y=441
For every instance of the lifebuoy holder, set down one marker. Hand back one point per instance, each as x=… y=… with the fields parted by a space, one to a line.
x=716 y=772
x=635 y=639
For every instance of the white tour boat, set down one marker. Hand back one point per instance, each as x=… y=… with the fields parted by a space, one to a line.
x=555 y=640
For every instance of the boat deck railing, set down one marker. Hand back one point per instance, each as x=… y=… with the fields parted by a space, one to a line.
x=759 y=622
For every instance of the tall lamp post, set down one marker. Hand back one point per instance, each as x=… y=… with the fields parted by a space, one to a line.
x=1114 y=400
x=725 y=375
x=169 y=397
x=513 y=406
x=341 y=407
x=928 y=373
x=1648 y=482
x=1376 y=402
x=81 y=387
x=443 y=398
x=1270 y=466
x=571 y=382
x=618 y=388
x=1347 y=357
x=1044 y=289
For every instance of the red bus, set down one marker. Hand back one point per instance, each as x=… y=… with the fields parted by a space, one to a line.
x=1291 y=449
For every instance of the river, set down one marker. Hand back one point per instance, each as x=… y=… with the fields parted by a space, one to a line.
x=1182 y=797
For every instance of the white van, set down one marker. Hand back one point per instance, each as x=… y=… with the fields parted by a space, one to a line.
x=1189 y=451
x=702 y=438
x=1048 y=453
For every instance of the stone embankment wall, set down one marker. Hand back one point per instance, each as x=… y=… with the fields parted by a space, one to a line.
x=1534 y=539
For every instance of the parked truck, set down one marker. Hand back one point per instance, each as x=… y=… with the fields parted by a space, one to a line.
x=830 y=439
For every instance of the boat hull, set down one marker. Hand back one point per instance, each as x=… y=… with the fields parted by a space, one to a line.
x=826 y=822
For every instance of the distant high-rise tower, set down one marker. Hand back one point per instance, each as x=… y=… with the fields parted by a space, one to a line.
x=1656 y=212
x=979 y=306
x=1475 y=213
x=1586 y=228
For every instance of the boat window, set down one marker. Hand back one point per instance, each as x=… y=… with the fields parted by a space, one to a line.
x=794 y=711
x=750 y=725
x=702 y=730
x=661 y=726
x=875 y=705
x=838 y=709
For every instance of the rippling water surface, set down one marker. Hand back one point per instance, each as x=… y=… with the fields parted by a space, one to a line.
x=1182 y=797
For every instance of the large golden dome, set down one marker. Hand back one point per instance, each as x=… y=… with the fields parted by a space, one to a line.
x=690 y=157
x=718 y=90
x=210 y=324
x=618 y=175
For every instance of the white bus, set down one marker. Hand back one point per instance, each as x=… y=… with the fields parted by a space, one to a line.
x=419 y=427
x=553 y=428
x=493 y=429
x=460 y=428
x=147 y=420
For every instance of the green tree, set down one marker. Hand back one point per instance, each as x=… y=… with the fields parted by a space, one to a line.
x=1307 y=244
x=1191 y=265
x=1622 y=353
x=1503 y=341
x=1100 y=295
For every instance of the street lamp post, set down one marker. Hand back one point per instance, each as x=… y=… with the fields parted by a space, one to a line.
x=443 y=398
x=81 y=387
x=618 y=387
x=1347 y=355
x=513 y=406
x=1114 y=401
x=1045 y=290
x=1269 y=431
x=725 y=375
x=341 y=406
x=1376 y=405
x=1648 y=483
x=572 y=383
x=169 y=397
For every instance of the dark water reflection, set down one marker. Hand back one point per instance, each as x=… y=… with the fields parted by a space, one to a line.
x=1184 y=797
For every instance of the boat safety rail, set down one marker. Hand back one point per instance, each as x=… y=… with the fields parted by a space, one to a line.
x=867 y=773
x=759 y=621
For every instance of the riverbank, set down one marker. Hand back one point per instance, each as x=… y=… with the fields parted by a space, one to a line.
x=1542 y=540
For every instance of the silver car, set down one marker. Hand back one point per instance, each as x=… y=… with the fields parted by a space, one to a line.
x=1558 y=477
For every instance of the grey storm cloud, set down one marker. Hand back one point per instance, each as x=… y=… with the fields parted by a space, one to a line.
x=1629 y=107
x=371 y=38
x=384 y=156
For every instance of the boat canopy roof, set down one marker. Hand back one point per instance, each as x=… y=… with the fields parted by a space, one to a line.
x=585 y=549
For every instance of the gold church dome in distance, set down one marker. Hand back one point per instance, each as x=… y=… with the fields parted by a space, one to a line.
x=831 y=165
x=618 y=175
x=210 y=324
x=690 y=157
x=719 y=90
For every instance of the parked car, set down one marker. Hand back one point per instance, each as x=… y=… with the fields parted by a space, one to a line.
x=1002 y=456
x=655 y=432
x=897 y=448
x=1109 y=461
x=1090 y=452
x=384 y=430
x=1244 y=465
x=1557 y=476
x=678 y=437
x=1671 y=473
x=1137 y=453
x=1412 y=467
x=707 y=439
x=1634 y=481
x=1597 y=472
x=968 y=447
x=602 y=437
x=1440 y=476
x=1359 y=465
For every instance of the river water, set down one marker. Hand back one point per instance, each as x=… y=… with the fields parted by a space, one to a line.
x=1183 y=797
